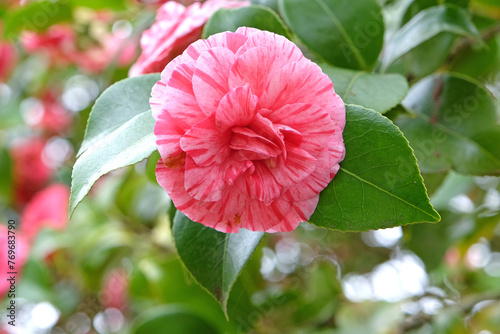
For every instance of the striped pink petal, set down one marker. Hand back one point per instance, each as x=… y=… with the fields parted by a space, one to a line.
x=237 y=108
x=284 y=50
x=298 y=165
x=248 y=145
x=253 y=68
x=299 y=82
x=205 y=144
x=204 y=183
x=262 y=185
x=210 y=77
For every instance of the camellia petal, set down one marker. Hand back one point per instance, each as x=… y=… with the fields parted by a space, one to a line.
x=204 y=183
x=210 y=77
x=299 y=82
x=249 y=132
x=176 y=27
x=237 y=108
x=253 y=68
x=205 y=144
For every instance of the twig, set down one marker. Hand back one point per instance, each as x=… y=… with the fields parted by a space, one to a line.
x=485 y=36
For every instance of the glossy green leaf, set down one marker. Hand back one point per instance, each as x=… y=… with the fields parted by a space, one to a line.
x=255 y=16
x=116 y=106
x=425 y=25
x=273 y=4
x=128 y=144
x=163 y=277
x=417 y=61
x=453 y=125
x=214 y=258
x=380 y=92
x=344 y=33
x=171 y=319
x=378 y=184
x=417 y=6
x=36 y=16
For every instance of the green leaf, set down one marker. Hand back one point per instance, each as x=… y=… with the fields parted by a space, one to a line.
x=378 y=184
x=425 y=25
x=433 y=182
x=255 y=16
x=214 y=258
x=488 y=8
x=417 y=61
x=380 y=92
x=162 y=277
x=416 y=6
x=478 y=62
x=98 y=4
x=273 y=4
x=151 y=166
x=178 y=319
x=453 y=125
x=429 y=241
x=116 y=106
x=6 y=186
x=344 y=33
x=128 y=144
x=36 y=16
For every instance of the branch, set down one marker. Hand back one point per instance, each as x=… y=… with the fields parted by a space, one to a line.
x=485 y=36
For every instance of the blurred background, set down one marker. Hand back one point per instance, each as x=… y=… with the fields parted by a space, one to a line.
x=114 y=269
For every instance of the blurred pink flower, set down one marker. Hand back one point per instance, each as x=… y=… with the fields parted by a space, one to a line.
x=152 y=2
x=8 y=59
x=175 y=28
x=114 y=292
x=30 y=173
x=58 y=42
x=159 y=2
x=21 y=253
x=49 y=208
x=50 y=116
x=112 y=48
x=249 y=132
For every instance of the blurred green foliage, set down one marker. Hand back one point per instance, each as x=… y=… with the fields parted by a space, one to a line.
x=118 y=251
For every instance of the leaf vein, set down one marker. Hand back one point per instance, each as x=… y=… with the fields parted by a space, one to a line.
x=387 y=192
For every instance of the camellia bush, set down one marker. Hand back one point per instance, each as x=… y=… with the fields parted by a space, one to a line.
x=264 y=166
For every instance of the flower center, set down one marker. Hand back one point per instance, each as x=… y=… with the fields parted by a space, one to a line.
x=249 y=145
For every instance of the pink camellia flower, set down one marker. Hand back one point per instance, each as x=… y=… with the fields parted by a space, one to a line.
x=249 y=132
x=21 y=252
x=49 y=208
x=175 y=28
